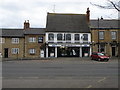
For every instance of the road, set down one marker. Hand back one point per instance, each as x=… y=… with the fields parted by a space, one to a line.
x=60 y=73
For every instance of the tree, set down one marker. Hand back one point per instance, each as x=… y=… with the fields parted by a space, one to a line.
x=111 y=5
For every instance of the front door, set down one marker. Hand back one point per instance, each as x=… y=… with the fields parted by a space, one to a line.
x=113 y=51
x=6 y=52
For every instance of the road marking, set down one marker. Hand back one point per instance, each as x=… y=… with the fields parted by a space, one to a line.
x=89 y=86
x=101 y=79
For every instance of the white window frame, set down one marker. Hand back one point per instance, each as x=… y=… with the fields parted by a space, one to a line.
x=113 y=35
x=15 y=50
x=32 y=51
x=15 y=40
x=2 y=40
x=32 y=39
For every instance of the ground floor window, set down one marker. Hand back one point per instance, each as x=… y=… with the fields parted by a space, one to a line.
x=68 y=52
x=51 y=51
x=15 y=50
x=85 y=51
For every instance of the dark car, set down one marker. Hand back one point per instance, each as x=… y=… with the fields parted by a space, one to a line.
x=99 y=56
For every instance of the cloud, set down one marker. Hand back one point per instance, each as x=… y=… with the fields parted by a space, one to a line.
x=15 y=12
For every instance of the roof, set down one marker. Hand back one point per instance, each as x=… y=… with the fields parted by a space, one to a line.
x=12 y=32
x=103 y=23
x=57 y=22
x=21 y=32
x=35 y=31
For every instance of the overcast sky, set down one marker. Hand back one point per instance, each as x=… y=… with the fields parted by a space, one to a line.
x=13 y=13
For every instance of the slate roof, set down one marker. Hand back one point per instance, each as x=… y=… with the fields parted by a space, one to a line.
x=12 y=33
x=104 y=24
x=57 y=22
x=20 y=32
x=35 y=31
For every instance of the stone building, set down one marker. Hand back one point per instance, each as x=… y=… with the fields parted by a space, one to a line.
x=105 y=36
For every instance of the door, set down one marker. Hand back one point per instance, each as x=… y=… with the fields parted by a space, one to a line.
x=6 y=52
x=113 y=51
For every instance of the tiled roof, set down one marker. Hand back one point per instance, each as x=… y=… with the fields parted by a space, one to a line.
x=57 y=22
x=12 y=32
x=20 y=32
x=104 y=23
x=35 y=31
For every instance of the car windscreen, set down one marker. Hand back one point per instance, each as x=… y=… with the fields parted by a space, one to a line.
x=100 y=54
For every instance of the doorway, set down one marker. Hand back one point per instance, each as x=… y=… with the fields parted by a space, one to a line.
x=6 y=52
x=85 y=51
x=113 y=51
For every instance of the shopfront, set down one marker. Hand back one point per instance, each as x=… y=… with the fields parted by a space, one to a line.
x=68 y=50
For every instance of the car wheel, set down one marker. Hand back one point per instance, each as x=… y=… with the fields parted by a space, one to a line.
x=99 y=59
x=91 y=58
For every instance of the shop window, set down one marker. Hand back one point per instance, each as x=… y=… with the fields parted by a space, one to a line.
x=50 y=36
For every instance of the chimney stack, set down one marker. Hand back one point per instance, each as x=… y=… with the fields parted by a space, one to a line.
x=26 y=25
x=88 y=15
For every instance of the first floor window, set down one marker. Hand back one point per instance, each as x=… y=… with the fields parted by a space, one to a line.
x=113 y=35
x=2 y=40
x=32 y=51
x=32 y=39
x=59 y=36
x=77 y=37
x=101 y=35
x=85 y=36
x=51 y=36
x=15 y=50
x=15 y=40
x=68 y=36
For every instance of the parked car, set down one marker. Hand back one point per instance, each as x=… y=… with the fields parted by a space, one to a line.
x=99 y=56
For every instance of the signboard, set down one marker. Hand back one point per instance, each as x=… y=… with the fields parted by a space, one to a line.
x=40 y=39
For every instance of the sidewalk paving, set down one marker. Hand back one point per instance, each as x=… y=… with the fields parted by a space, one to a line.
x=59 y=58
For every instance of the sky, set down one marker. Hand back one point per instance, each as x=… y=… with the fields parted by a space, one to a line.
x=13 y=13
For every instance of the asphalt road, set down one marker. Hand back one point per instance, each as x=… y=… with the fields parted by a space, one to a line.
x=60 y=73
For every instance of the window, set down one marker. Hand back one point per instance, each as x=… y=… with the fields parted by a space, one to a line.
x=2 y=40
x=77 y=37
x=15 y=50
x=68 y=36
x=40 y=39
x=51 y=37
x=32 y=51
x=59 y=36
x=85 y=36
x=113 y=35
x=101 y=35
x=32 y=39
x=15 y=40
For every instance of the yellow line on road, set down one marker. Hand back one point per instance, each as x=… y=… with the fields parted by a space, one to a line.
x=101 y=79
